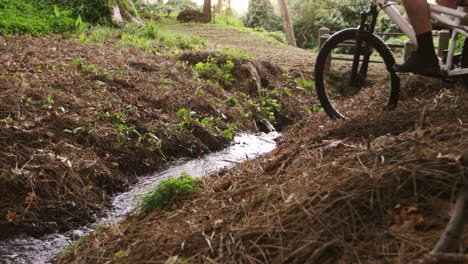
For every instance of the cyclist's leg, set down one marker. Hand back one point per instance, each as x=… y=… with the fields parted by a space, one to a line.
x=419 y=15
x=424 y=60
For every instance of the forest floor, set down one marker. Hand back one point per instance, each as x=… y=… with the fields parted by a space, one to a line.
x=80 y=119
x=79 y=122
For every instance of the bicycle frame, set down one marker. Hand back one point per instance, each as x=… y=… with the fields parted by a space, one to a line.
x=452 y=18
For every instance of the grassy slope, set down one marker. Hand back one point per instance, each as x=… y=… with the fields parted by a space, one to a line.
x=287 y=57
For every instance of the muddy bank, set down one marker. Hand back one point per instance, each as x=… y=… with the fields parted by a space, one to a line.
x=27 y=249
x=79 y=122
x=362 y=190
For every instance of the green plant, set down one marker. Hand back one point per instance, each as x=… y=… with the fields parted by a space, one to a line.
x=226 y=19
x=303 y=83
x=75 y=131
x=168 y=191
x=261 y=14
x=207 y=122
x=199 y=92
x=212 y=71
x=149 y=30
x=125 y=132
x=186 y=116
x=89 y=68
x=170 y=9
x=128 y=40
x=121 y=254
x=34 y=17
x=228 y=132
x=235 y=53
x=232 y=101
x=267 y=106
x=153 y=142
x=99 y=33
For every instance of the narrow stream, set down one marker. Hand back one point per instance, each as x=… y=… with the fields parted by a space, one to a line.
x=29 y=250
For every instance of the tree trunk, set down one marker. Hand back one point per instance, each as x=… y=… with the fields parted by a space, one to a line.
x=288 y=29
x=121 y=14
x=207 y=9
x=219 y=6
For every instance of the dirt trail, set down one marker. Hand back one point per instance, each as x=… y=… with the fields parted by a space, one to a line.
x=260 y=48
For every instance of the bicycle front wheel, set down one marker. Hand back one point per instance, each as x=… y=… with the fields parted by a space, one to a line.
x=355 y=80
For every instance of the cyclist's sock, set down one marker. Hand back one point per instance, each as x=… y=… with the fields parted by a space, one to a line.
x=426 y=45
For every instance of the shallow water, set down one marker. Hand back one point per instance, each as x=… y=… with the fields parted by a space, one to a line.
x=26 y=250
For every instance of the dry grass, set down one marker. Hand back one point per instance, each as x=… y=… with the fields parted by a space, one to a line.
x=346 y=193
x=58 y=141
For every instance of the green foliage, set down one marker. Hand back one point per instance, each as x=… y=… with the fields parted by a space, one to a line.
x=99 y=33
x=149 y=30
x=170 y=8
x=34 y=17
x=277 y=35
x=226 y=19
x=168 y=191
x=149 y=37
x=212 y=71
x=89 y=68
x=187 y=118
x=268 y=105
x=121 y=254
x=261 y=14
x=309 y=16
x=232 y=101
x=235 y=53
x=303 y=83
x=128 y=40
x=228 y=132
x=96 y=11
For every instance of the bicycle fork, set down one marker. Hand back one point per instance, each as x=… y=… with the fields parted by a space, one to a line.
x=358 y=76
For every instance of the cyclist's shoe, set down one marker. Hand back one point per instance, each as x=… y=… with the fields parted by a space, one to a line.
x=418 y=64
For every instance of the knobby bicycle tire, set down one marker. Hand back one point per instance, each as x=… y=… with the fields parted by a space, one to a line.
x=325 y=52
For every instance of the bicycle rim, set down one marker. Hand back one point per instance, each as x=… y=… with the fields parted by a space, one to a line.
x=348 y=93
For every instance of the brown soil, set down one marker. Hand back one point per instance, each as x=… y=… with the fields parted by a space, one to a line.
x=375 y=190
x=192 y=16
x=73 y=133
x=372 y=189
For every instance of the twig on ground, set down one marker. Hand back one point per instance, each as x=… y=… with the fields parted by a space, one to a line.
x=444 y=258
x=449 y=240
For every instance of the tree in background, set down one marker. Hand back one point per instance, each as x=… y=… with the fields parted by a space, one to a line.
x=288 y=28
x=309 y=16
x=207 y=9
x=261 y=14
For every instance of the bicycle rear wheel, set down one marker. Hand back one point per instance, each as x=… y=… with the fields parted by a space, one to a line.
x=343 y=94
